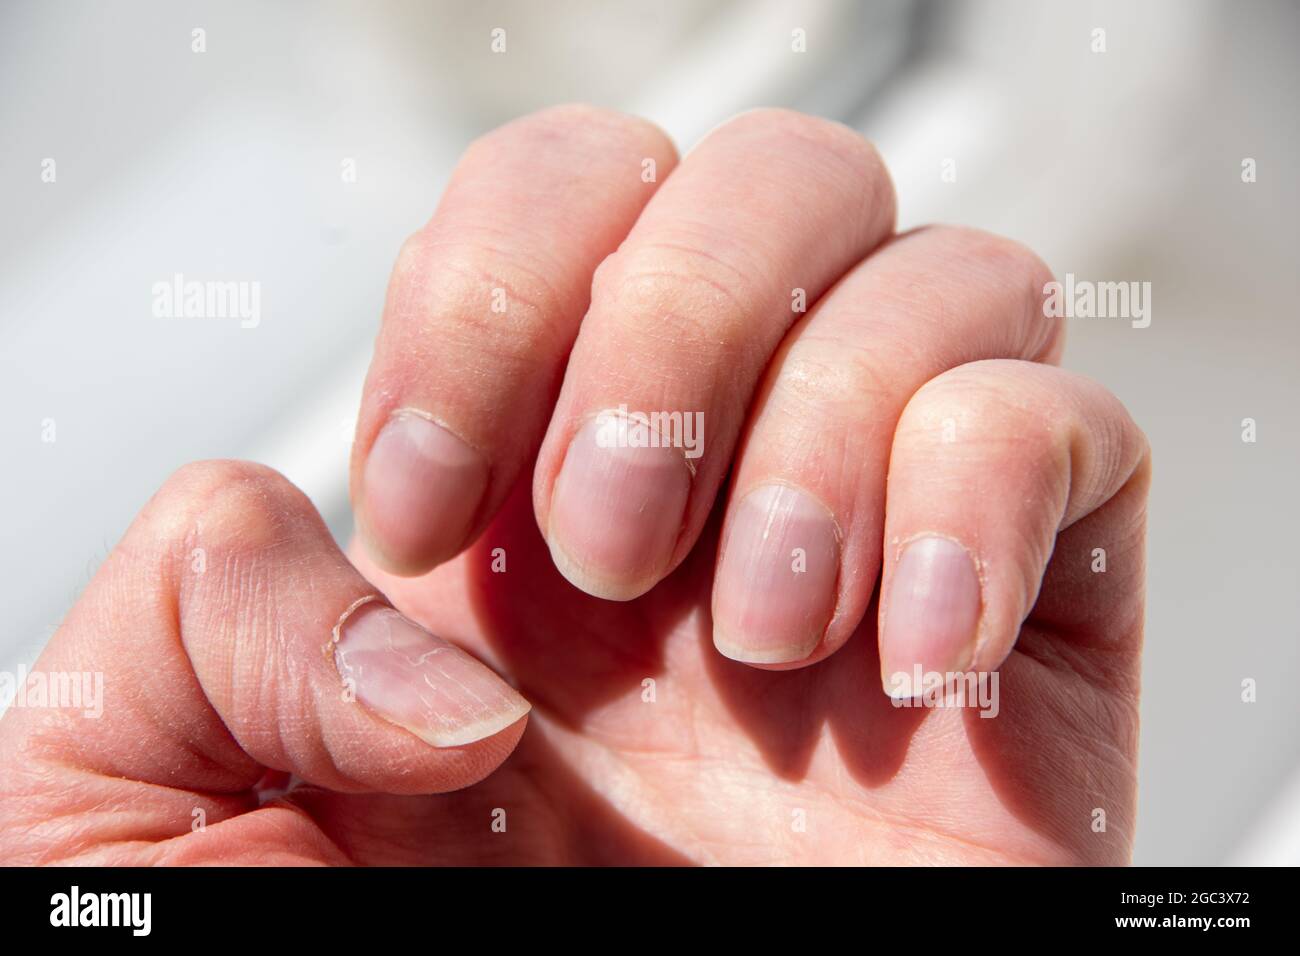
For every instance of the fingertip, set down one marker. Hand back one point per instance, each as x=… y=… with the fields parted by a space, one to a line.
x=423 y=683
x=465 y=764
x=591 y=581
x=783 y=656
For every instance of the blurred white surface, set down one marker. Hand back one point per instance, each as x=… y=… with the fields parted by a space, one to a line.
x=226 y=165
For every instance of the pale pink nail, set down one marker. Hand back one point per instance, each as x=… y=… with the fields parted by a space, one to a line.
x=422 y=487
x=418 y=681
x=932 y=616
x=775 y=589
x=616 y=513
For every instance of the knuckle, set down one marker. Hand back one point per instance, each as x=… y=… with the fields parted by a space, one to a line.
x=850 y=153
x=1062 y=430
x=412 y=258
x=1007 y=255
x=994 y=405
x=228 y=506
x=815 y=131
x=574 y=116
x=969 y=386
x=1014 y=266
x=677 y=294
x=575 y=125
x=586 y=116
x=831 y=378
x=464 y=295
x=194 y=485
x=1012 y=261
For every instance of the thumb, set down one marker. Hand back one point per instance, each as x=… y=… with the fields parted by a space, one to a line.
x=230 y=636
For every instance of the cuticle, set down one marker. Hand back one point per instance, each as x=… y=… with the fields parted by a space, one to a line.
x=336 y=633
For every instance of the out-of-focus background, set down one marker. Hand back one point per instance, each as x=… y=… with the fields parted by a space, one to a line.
x=305 y=141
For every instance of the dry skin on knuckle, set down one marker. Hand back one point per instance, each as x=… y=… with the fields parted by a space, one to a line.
x=220 y=538
x=456 y=271
x=999 y=417
x=837 y=381
x=245 y=520
x=675 y=305
x=260 y=603
x=234 y=506
x=442 y=316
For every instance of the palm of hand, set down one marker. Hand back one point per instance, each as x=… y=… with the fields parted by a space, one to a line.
x=648 y=747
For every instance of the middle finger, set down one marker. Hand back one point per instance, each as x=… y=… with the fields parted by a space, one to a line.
x=758 y=221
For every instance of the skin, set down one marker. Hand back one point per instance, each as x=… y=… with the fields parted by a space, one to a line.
x=916 y=397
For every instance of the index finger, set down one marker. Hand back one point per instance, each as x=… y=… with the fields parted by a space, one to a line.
x=483 y=306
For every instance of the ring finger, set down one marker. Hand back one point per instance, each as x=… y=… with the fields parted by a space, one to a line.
x=801 y=545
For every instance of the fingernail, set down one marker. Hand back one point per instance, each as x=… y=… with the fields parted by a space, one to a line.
x=775 y=589
x=616 y=513
x=419 y=681
x=932 y=615
x=422 y=486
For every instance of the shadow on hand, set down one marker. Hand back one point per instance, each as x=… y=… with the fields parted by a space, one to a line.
x=572 y=653
x=784 y=711
x=544 y=815
x=1051 y=754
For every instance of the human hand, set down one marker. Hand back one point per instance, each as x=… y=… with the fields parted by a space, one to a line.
x=677 y=714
